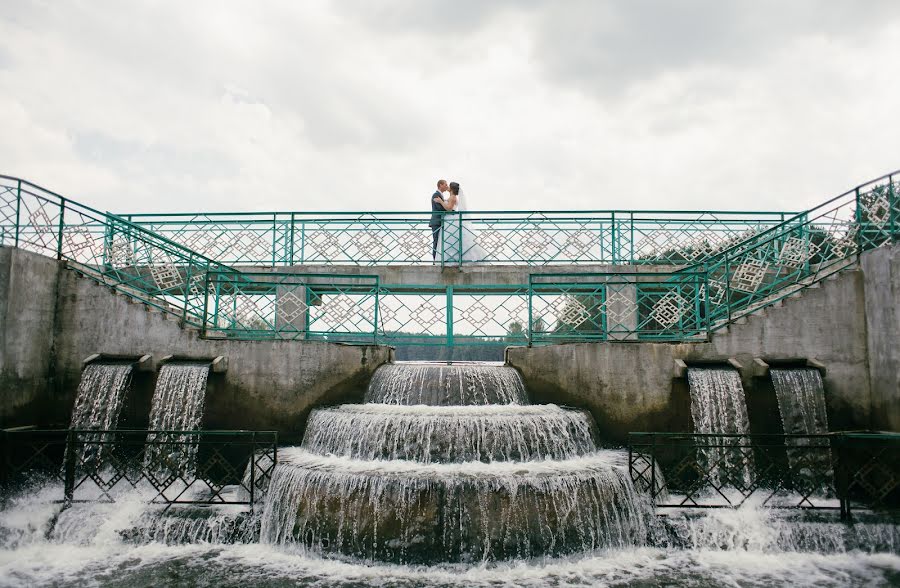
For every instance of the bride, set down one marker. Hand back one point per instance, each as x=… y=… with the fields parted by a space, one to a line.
x=457 y=234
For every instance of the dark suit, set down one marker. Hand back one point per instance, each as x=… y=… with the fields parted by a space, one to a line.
x=435 y=223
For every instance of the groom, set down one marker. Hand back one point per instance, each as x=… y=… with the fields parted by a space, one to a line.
x=437 y=217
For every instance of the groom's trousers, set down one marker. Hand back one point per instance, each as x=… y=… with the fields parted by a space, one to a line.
x=435 y=235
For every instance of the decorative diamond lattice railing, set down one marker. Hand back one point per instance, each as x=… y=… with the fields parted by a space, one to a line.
x=747 y=263
x=504 y=237
x=98 y=465
x=832 y=471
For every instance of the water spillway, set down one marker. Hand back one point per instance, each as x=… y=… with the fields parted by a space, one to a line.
x=450 y=433
x=177 y=406
x=98 y=406
x=801 y=400
x=100 y=395
x=718 y=406
x=411 y=477
x=446 y=385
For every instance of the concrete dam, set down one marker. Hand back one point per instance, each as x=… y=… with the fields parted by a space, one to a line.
x=594 y=383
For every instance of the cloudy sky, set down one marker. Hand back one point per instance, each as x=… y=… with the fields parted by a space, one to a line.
x=363 y=104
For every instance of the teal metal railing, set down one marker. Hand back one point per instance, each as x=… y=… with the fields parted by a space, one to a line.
x=500 y=237
x=135 y=261
x=755 y=271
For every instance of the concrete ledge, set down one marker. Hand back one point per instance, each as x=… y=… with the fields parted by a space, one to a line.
x=144 y=363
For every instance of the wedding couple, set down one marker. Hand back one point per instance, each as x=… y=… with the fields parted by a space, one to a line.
x=452 y=236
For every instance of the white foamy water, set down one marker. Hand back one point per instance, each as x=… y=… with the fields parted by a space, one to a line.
x=177 y=406
x=446 y=384
x=718 y=406
x=92 y=544
x=413 y=512
x=447 y=433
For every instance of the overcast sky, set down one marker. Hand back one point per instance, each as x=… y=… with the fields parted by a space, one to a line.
x=362 y=104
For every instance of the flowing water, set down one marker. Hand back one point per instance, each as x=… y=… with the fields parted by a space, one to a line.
x=100 y=396
x=177 y=406
x=718 y=406
x=98 y=405
x=801 y=402
x=446 y=385
x=449 y=463
x=440 y=495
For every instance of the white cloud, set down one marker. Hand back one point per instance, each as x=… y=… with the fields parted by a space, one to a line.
x=150 y=106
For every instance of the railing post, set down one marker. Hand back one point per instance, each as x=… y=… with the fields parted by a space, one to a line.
x=842 y=477
x=18 y=209
x=377 y=309
x=728 y=286
x=613 y=248
x=274 y=237
x=859 y=226
x=653 y=467
x=631 y=237
x=706 y=322
x=69 y=473
x=291 y=239
x=450 y=321
x=460 y=240
x=891 y=213
x=529 y=328
x=203 y=329
x=59 y=236
x=253 y=470
x=187 y=289
x=302 y=241
x=6 y=473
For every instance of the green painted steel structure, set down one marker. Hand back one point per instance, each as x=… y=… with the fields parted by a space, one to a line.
x=740 y=277
x=501 y=237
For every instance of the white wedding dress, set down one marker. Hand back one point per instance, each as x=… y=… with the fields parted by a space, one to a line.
x=449 y=242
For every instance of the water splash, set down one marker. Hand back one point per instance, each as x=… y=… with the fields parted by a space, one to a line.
x=177 y=406
x=718 y=406
x=409 y=512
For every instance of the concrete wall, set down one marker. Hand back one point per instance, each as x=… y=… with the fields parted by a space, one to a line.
x=268 y=385
x=28 y=295
x=881 y=268
x=631 y=386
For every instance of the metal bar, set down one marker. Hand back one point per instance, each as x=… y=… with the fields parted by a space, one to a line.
x=891 y=207
x=653 y=468
x=253 y=471
x=187 y=291
x=449 y=317
x=18 y=209
x=69 y=474
x=59 y=237
x=291 y=241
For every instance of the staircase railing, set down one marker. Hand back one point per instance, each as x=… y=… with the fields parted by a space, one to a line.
x=113 y=251
x=688 y=304
x=802 y=251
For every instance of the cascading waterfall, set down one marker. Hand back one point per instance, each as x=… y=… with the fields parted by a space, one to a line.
x=476 y=474
x=177 y=406
x=98 y=403
x=446 y=385
x=450 y=433
x=718 y=406
x=801 y=401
